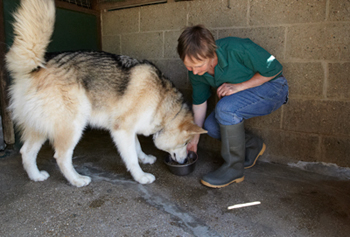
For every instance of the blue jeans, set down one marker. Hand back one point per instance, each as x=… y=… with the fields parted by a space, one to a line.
x=253 y=102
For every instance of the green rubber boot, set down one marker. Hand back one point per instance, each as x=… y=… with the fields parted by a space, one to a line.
x=254 y=147
x=233 y=152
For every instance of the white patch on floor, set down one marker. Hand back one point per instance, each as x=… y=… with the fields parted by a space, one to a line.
x=329 y=169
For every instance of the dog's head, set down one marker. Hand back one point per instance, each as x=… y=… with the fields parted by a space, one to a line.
x=174 y=137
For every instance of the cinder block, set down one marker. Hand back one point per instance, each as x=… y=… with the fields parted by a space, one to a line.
x=170 y=16
x=111 y=44
x=304 y=79
x=286 y=12
x=336 y=150
x=339 y=10
x=320 y=117
x=121 y=21
x=272 y=121
x=328 y=41
x=270 y=38
x=218 y=13
x=174 y=70
x=143 y=45
x=284 y=147
x=338 y=81
x=281 y=147
x=170 y=44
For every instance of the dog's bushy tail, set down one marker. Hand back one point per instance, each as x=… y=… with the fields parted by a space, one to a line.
x=33 y=26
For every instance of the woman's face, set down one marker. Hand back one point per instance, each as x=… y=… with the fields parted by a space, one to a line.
x=197 y=66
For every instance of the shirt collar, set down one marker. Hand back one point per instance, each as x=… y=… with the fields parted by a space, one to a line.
x=222 y=62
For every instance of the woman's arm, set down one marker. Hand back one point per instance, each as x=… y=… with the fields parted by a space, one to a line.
x=229 y=89
x=199 y=112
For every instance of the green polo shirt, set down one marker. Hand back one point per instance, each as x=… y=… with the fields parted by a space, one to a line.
x=238 y=61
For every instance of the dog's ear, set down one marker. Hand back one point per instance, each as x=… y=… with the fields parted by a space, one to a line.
x=194 y=129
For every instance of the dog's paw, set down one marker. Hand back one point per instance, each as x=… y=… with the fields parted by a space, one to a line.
x=146 y=178
x=81 y=181
x=147 y=159
x=41 y=176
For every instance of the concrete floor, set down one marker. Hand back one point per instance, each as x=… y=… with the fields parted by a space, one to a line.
x=293 y=202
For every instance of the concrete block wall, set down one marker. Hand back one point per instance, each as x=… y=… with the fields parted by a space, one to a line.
x=311 y=38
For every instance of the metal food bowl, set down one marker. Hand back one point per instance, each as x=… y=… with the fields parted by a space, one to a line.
x=182 y=169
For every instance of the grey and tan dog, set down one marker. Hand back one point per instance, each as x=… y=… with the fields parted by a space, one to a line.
x=55 y=97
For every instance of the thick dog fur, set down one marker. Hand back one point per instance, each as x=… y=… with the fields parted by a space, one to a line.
x=56 y=96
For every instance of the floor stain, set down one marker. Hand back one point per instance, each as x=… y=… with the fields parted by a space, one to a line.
x=97 y=203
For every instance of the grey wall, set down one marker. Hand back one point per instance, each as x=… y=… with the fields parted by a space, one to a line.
x=311 y=38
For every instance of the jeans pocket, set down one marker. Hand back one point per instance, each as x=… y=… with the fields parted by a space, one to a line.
x=282 y=96
x=276 y=90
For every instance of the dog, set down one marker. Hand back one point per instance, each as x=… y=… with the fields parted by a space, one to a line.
x=55 y=96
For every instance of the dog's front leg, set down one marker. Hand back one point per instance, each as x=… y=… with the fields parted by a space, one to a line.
x=144 y=158
x=126 y=144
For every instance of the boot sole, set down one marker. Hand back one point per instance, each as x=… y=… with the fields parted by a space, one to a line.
x=260 y=153
x=222 y=185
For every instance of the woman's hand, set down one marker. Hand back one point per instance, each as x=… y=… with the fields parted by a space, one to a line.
x=228 y=89
x=192 y=145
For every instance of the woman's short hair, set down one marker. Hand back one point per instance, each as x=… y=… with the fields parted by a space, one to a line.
x=196 y=42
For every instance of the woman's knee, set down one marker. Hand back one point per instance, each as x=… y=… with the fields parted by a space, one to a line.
x=226 y=115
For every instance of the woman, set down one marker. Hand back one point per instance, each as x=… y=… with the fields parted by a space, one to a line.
x=248 y=82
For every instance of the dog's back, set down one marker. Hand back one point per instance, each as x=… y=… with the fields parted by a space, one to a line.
x=110 y=87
